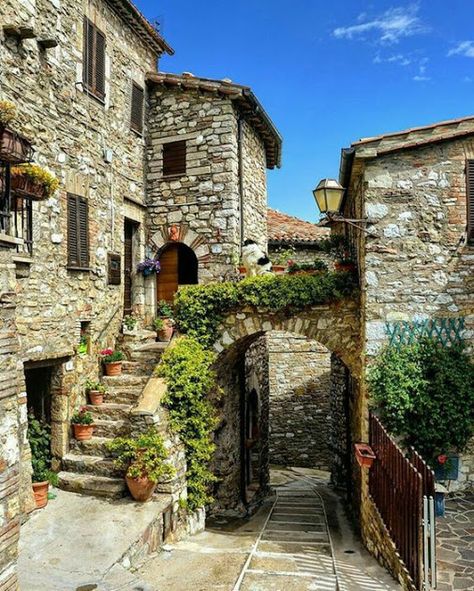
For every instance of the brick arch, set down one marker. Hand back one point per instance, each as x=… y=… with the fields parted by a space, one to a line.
x=170 y=233
x=336 y=326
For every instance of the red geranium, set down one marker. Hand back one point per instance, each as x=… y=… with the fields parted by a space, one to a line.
x=442 y=459
x=106 y=352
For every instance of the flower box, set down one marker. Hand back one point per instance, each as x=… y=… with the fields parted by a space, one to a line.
x=365 y=455
x=14 y=149
x=27 y=187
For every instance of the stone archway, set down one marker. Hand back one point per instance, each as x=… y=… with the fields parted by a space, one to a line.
x=336 y=326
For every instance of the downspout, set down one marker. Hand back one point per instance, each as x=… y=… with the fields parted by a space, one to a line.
x=241 y=177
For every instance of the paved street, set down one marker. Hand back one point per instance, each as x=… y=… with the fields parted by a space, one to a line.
x=286 y=546
x=456 y=544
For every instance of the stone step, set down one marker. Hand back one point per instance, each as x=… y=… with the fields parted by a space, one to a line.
x=95 y=446
x=109 y=411
x=124 y=380
x=104 y=428
x=96 y=465
x=138 y=368
x=90 y=484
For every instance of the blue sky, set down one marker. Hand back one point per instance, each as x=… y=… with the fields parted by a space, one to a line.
x=328 y=73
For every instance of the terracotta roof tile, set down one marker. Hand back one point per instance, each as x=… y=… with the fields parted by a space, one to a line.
x=286 y=228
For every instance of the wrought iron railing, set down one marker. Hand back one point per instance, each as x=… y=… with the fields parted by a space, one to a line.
x=16 y=214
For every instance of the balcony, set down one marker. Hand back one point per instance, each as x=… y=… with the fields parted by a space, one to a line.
x=16 y=216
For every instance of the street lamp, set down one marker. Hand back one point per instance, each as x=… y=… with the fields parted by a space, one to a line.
x=328 y=196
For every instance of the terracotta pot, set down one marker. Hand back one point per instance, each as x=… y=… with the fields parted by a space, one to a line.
x=14 y=148
x=164 y=335
x=365 y=455
x=141 y=489
x=96 y=397
x=40 y=492
x=28 y=187
x=243 y=270
x=82 y=432
x=278 y=268
x=346 y=267
x=113 y=369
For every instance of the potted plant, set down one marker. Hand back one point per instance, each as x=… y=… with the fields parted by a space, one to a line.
x=143 y=459
x=129 y=324
x=82 y=424
x=345 y=264
x=7 y=113
x=112 y=361
x=39 y=438
x=32 y=181
x=318 y=266
x=282 y=259
x=96 y=392
x=148 y=266
x=164 y=322
x=13 y=147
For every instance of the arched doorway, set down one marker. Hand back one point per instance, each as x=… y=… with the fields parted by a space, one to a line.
x=179 y=266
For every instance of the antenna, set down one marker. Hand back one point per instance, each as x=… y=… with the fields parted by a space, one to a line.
x=158 y=23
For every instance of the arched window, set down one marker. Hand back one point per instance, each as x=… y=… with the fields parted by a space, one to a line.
x=179 y=266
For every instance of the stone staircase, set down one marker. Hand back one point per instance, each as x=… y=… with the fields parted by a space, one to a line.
x=88 y=468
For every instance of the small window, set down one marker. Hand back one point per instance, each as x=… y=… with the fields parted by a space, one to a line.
x=93 y=69
x=174 y=158
x=470 y=199
x=77 y=232
x=136 y=116
x=115 y=270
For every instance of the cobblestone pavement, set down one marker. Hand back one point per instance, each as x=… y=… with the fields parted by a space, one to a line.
x=456 y=544
x=285 y=546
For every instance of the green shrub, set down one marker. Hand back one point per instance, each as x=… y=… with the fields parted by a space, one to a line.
x=200 y=308
x=191 y=381
x=425 y=393
x=143 y=456
x=39 y=438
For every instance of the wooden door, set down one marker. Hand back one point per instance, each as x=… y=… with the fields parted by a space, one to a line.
x=128 y=265
x=168 y=278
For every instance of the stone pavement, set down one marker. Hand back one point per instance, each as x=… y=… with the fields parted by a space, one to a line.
x=456 y=544
x=289 y=549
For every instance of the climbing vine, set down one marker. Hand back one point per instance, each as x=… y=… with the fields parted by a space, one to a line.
x=200 y=308
x=191 y=387
x=425 y=393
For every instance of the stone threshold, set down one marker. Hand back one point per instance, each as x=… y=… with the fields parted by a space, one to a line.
x=81 y=540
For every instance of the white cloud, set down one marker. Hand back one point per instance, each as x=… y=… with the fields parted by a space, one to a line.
x=464 y=48
x=390 y=27
x=419 y=78
x=399 y=59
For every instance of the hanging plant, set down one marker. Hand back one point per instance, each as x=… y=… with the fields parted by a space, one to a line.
x=148 y=266
x=7 y=113
x=30 y=180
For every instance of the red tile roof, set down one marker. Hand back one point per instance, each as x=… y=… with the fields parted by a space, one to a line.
x=286 y=228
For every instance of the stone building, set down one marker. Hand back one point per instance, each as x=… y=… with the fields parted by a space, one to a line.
x=416 y=261
x=76 y=72
x=210 y=143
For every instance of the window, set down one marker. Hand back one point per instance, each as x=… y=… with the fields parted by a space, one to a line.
x=174 y=158
x=93 y=71
x=77 y=232
x=470 y=199
x=114 y=274
x=136 y=115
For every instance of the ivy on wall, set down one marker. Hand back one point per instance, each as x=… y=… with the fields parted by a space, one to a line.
x=425 y=393
x=188 y=366
x=191 y=381
x=200 y=308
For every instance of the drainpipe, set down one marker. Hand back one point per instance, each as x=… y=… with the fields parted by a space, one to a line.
x=241 y=178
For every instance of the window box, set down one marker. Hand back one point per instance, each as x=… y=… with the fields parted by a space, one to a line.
x=14 y=148
x=27 y=187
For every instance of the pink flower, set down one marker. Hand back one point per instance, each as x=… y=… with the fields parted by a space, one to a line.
x=442 y=459
x=105 y=352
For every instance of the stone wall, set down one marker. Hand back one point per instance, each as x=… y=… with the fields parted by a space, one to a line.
x=417 y=265
x=300 y=378
x=254 y=186
x=340 y=440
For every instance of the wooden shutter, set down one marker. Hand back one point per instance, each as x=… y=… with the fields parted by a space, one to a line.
x=174 y=158
x=77 y=231
x=93 y=72
x=470 y=199
x=136 y=118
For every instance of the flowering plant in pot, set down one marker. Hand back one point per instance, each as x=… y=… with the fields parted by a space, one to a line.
x=83 y=424
x=30 y=180
x=143 y=459
x=8 y=113
x=164 y=322
x=96 y=392
x=282 y=259
x=112 y=362
x=148 y=266
x=39 y=438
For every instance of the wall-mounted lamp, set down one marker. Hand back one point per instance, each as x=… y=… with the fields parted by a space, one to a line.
x=329 y=195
